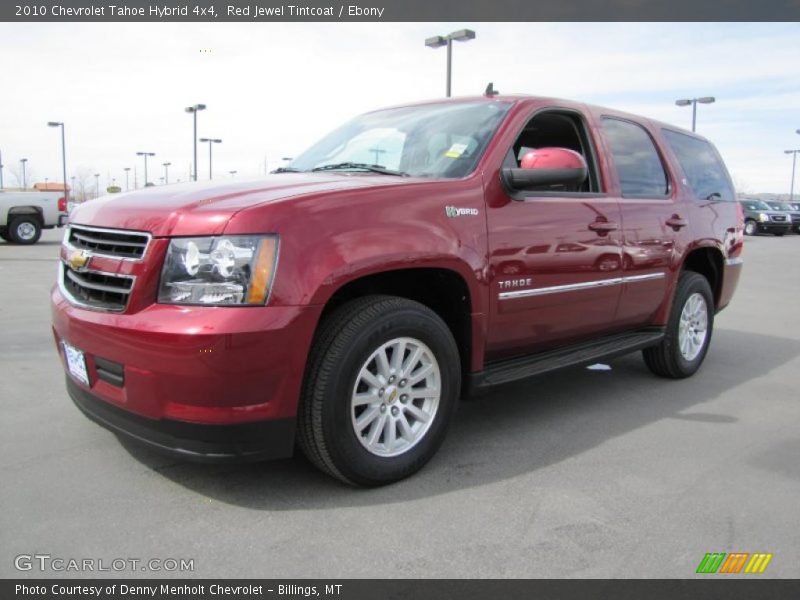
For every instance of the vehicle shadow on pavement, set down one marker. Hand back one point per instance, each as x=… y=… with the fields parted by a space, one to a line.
x=515 y=430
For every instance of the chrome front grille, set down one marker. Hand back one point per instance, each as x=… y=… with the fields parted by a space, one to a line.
x=779 y=218
x=95 y=289
x=108 y=242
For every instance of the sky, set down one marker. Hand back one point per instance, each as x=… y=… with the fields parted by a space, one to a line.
x=273 y=89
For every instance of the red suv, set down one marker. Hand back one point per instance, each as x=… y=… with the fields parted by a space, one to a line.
x=413 y=256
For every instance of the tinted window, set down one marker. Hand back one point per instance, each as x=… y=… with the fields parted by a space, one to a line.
x=755 y=205
x=702 y=166
x=638 y=164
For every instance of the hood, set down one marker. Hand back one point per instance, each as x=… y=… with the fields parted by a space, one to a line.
x=204 y=208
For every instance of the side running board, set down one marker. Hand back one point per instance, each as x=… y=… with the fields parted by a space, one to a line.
x=585 y=353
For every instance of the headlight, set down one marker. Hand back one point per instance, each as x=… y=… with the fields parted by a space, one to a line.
x=227 y=270
x=763 y=217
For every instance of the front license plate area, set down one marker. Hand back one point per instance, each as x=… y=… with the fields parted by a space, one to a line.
x=76 y=363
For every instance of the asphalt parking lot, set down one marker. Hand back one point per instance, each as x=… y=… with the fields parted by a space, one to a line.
x=578 y=474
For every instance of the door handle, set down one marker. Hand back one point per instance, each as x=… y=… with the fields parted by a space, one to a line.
x=603 y=227
x=676 y=222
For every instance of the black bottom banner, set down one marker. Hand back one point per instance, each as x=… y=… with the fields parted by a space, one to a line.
x=400 y=589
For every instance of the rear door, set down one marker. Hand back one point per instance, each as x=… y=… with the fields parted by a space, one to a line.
x=654 y=220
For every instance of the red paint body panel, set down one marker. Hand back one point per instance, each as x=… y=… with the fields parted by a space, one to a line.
x=239 y=364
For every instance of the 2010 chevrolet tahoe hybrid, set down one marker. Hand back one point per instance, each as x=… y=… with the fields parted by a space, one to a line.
x=414 y=256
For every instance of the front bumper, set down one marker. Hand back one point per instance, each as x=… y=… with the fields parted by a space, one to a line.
x=772 y=227
x=242 y=442
x=196 y=381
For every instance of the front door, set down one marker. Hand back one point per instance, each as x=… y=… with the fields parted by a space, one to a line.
x=555 y=255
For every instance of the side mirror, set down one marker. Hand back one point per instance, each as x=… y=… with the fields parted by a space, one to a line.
x=547 y=167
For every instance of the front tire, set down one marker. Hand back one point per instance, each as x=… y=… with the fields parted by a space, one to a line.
x=25 y=229
x=779 y=233
x=689 y=329
x=750 y=227
x=381 y=387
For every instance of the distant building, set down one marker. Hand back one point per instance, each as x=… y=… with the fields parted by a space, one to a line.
x=49 y=187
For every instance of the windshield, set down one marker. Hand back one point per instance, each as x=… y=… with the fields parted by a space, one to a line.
x=437 y=140
x=755 y=205
x=780 y=205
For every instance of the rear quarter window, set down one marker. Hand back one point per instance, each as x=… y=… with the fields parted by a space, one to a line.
x=702 y=166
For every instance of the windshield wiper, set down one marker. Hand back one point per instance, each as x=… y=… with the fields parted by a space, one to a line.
x=286 y=170
x=364 y=166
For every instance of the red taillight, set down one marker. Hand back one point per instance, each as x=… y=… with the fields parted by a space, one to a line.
x=62 y=204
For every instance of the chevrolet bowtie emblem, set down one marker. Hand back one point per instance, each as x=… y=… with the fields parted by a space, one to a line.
x=78 y=259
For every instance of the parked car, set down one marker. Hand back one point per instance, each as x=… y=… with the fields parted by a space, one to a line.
x=23 y=215
x=759 y=217
x=413 y=256
x=793 y=210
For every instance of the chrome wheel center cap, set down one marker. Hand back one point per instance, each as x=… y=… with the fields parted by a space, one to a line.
x=390 y=395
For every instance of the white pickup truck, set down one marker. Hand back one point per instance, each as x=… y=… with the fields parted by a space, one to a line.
x=23 y=215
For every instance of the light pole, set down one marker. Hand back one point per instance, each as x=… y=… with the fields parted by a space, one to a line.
x=1 y=170
x=127 y=172
x=63 y=155
x=693 y=102
x=794 y=161
x=437 y=41
x=166 y=171
x=24 y=178
x=194 y=110
x=145 y=154
x=96 y=185
x=210 y=142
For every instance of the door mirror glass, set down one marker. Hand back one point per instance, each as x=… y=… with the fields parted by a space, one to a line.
x=548 y=169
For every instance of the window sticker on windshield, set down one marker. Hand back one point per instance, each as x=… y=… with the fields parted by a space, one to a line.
x=456 y=150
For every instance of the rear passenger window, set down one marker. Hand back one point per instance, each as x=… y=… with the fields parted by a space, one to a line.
x=639 y=166
x=702 y=166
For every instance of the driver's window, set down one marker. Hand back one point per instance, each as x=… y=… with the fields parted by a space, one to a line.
x=555 y=129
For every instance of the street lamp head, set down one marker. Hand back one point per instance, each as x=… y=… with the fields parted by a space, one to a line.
x=462 y=35
x=195 y=108
x=798 y=131
x=707 y=100
x=436 y=41
x=683 y=102
x=217 y=141
x=145 y=154
x=166 y=164
x=23 y=160
x=54 y=124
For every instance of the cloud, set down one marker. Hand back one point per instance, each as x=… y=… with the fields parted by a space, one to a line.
x=273 y=89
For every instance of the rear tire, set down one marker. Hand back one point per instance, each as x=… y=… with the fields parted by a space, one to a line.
x=4 y=234
x=25 y=229
x=362 y=417
x=689 y=329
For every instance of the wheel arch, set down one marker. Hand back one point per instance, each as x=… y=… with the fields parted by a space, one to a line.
x=16 y=211
x=443 y=290
x=709 y=262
